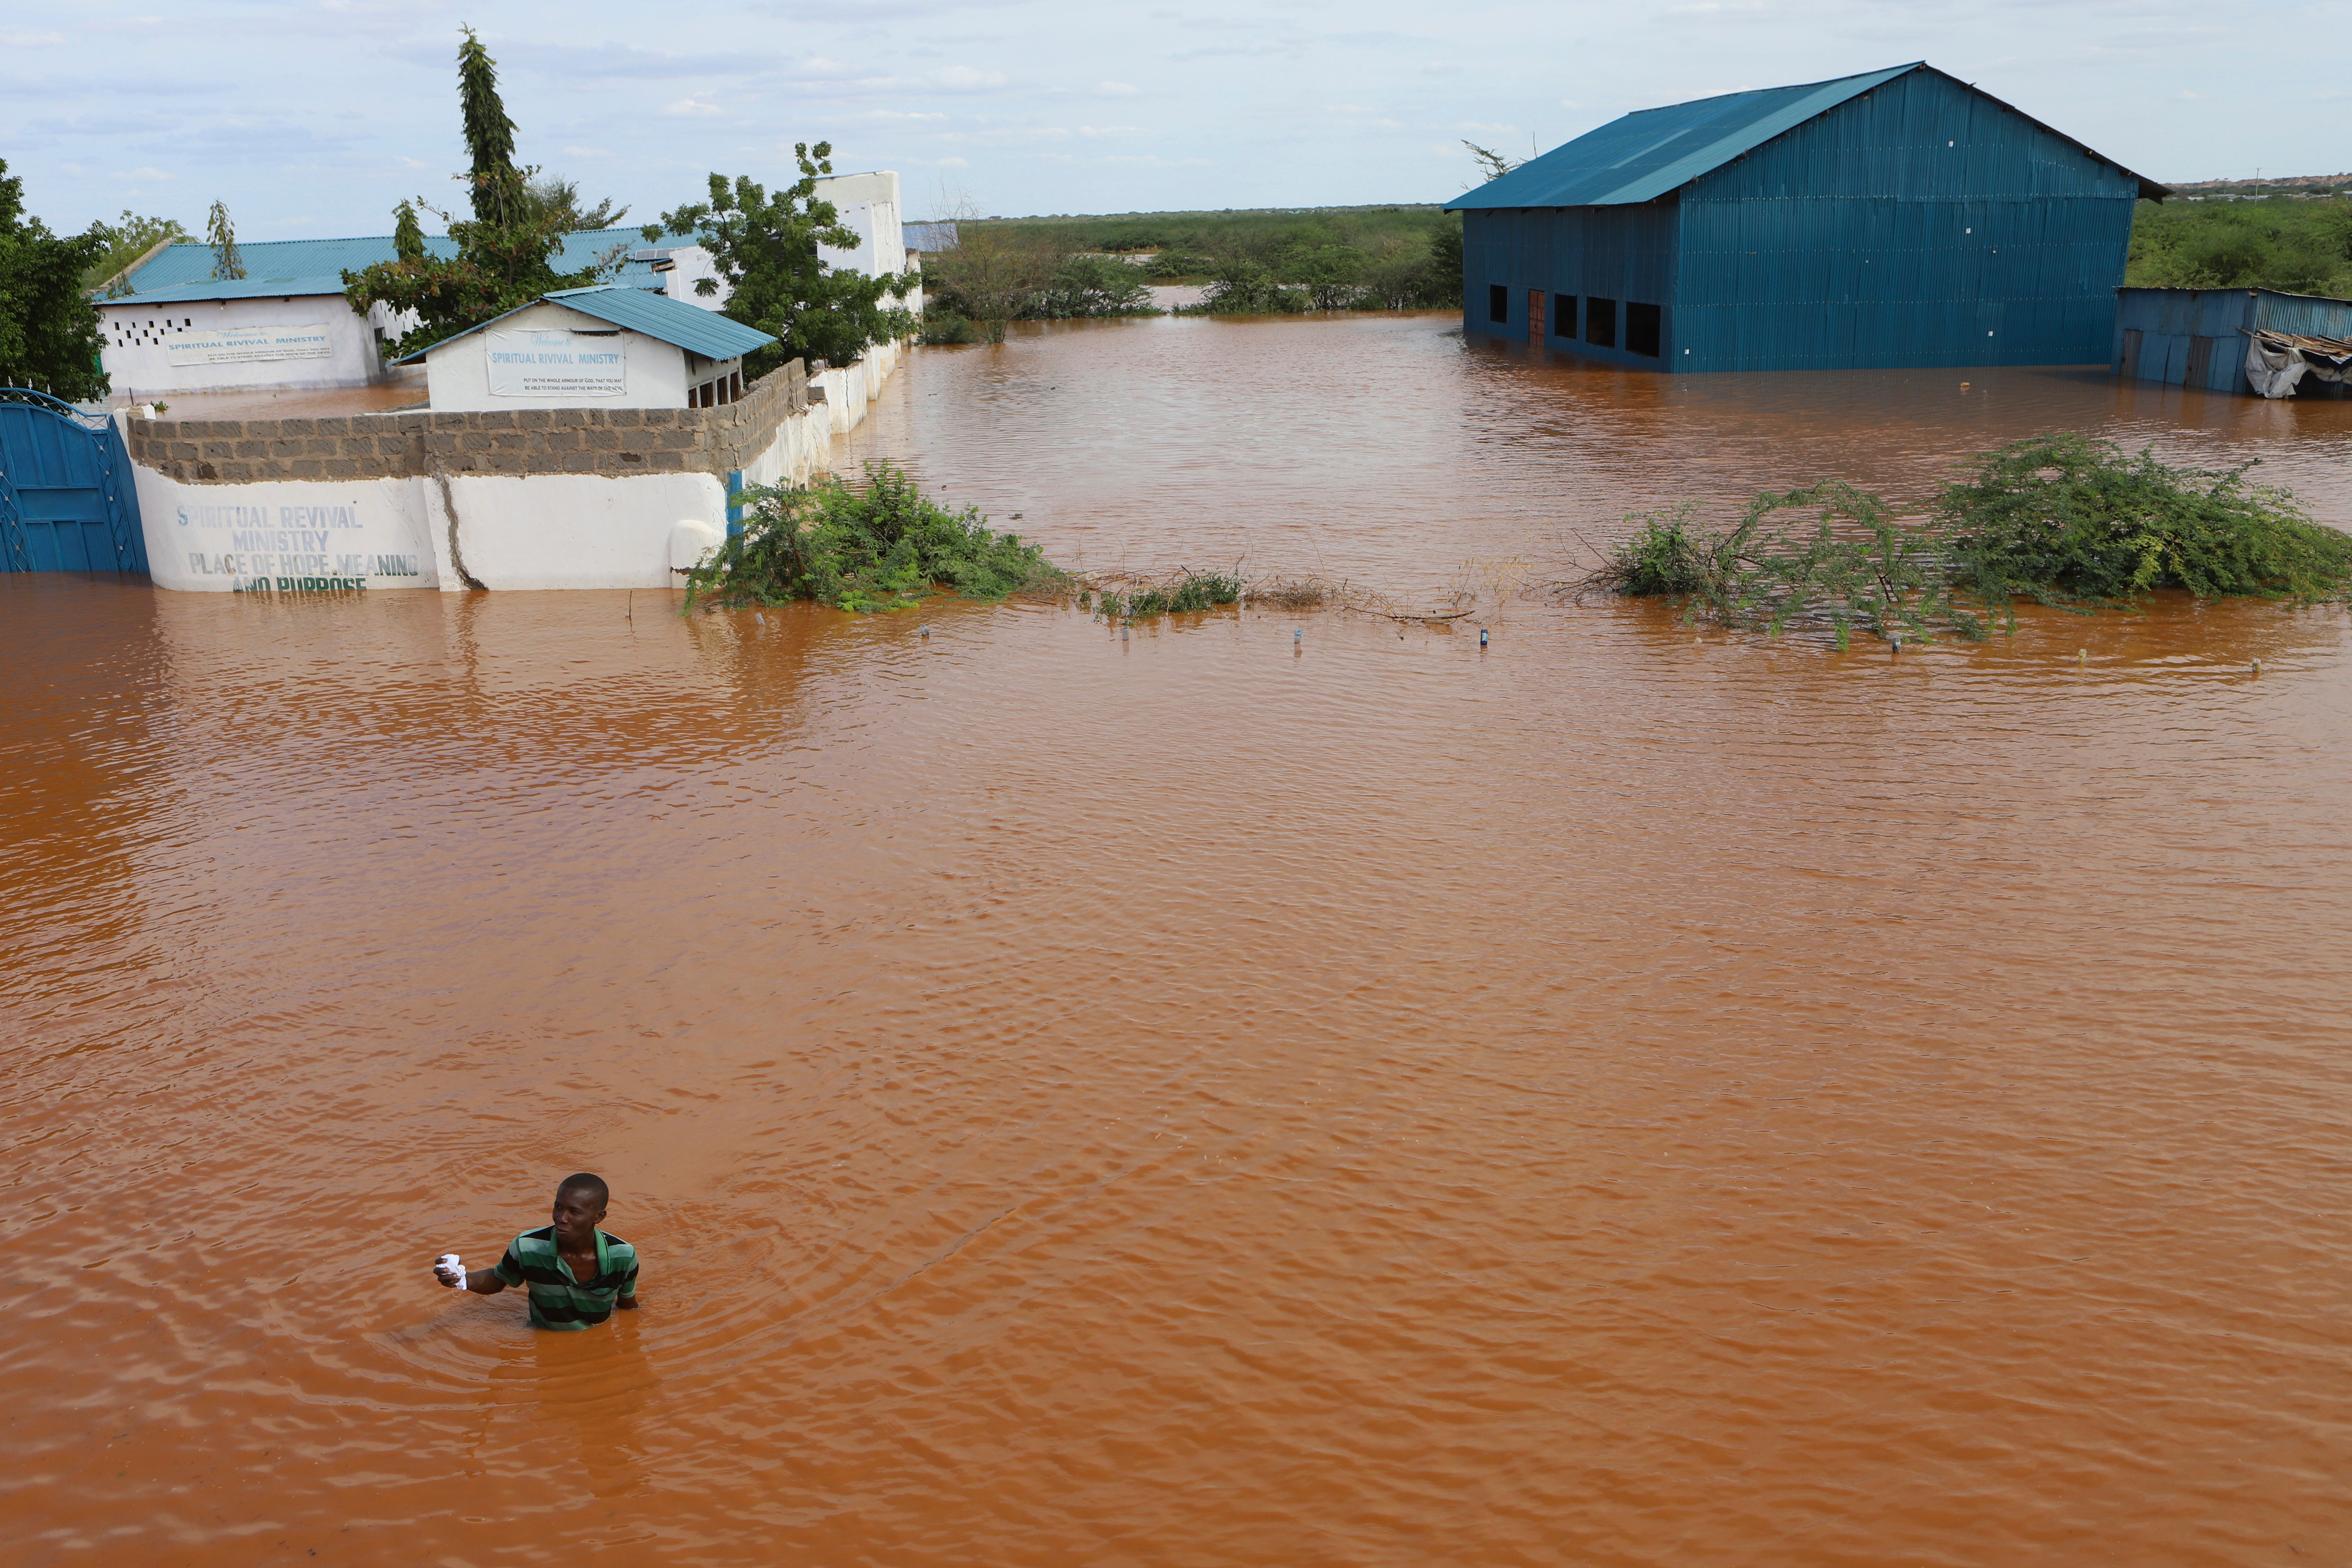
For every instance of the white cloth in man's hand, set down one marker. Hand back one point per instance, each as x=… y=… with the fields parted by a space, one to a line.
x=449 y=1265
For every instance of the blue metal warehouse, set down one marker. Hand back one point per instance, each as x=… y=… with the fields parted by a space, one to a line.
x=1899 y=218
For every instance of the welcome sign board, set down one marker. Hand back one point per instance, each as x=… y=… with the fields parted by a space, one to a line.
x=557 y=363
x=246 y=345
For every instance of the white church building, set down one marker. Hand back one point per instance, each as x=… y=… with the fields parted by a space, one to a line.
x=171 y=327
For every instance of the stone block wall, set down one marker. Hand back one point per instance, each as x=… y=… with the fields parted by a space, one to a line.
x=607 y=441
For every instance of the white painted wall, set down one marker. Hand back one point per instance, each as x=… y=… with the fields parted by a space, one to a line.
x=692 y=264
x=572 y=530
x=235 y=538
x=506 y=531
x=869 y=205
x=458 y=373
x=136 y=352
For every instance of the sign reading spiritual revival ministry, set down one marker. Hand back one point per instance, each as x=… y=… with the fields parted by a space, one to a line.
x=244 y=345
x=317 y=542
x=557 y=364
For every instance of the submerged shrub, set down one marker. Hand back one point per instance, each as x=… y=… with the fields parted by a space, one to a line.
x=2065 y=517
x=945 y=326
x=865 y=549
x=2059 y=519
x=1188 y=592
x=1663 y=556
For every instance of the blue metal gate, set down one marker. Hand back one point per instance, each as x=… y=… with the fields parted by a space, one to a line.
x=66 y=503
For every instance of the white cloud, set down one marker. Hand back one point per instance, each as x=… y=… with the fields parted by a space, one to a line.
x=946 y=79
x=19 y=38
x=1109 y=129
x=586 y=152
x=692 y=109
x=963 y=78
x=1117 y=89
x=954 y=163
x=143 y=172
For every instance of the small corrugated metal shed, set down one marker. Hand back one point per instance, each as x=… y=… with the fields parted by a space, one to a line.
x=674 y=321
x=290 y=268
x=1897 y=217
x=2196 y=337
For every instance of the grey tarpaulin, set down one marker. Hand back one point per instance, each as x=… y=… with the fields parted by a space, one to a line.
x=2275 y=361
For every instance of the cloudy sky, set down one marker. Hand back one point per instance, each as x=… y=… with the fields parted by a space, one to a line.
x=312 y=116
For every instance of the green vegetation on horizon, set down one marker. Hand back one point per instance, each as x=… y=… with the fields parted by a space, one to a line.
x=1208 y=233
x=2059 y=519
x=2298 y=244
x=1269 y=262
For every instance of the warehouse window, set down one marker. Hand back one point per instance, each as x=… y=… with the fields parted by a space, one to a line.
x=1498 y=301
x=1600 y=323
x=1642 y=323
x=1563 y=321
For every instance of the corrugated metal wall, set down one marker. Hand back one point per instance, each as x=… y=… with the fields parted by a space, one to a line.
x=2192 y=337
x=1918 y=225
x=1620 y=253
x=2158 y=332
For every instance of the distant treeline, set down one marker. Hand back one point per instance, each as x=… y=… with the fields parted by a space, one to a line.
x=1256 y=263
x=2299 y=243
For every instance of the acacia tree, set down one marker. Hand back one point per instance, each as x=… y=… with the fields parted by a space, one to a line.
x=505 y=252
x=765 y=247
x=128 y=240
x=48 y=324
x=992 y=274
x=1492 y=165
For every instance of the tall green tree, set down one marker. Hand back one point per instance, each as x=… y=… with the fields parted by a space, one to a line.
x=765 y=247
x=505 y=252
x=228 y=261
x=495 y=185
x=48 y=324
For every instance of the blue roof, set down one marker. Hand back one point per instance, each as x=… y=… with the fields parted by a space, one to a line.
x=690 y=326
x=285 y=267
x=1642 y=155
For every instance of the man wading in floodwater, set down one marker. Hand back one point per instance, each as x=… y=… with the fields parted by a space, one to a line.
x=576 y=1273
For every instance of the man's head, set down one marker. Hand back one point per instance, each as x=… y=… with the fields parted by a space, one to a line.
x=580 y=1208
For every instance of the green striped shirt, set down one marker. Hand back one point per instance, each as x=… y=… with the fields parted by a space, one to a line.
x=558 y=1300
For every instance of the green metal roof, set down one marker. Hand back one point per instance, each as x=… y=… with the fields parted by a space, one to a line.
x=689 y=327
x=1642 y=155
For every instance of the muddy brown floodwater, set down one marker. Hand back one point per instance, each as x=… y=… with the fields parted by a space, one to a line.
x=1618 y=1097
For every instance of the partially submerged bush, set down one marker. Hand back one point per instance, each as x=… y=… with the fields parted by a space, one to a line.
x=1859 y=566
x=865 y=548
x=2064 y=517
x=1189 y=591
x=1665 y=555
x=944 y=326
x=2059 y=519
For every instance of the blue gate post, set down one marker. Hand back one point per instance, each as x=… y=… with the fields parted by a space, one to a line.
x=734 y=507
